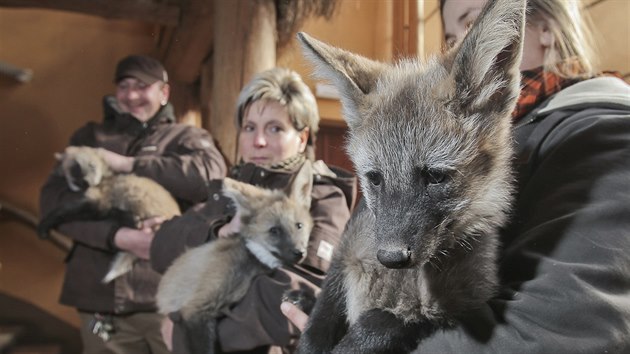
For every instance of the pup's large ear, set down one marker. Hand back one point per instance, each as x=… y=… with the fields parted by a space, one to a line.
x=485 y=66
x=353 y=75
x=244 y=195
x=301 y=186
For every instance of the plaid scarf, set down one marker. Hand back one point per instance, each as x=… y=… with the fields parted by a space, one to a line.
x=536 y=86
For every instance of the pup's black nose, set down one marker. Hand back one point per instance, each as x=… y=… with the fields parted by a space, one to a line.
x=297 y=255
x=394 y=259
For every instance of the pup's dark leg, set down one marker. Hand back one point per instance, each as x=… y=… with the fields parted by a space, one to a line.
x=201 y=334
x=327 y=323
x=379 y=331
x=82 y=209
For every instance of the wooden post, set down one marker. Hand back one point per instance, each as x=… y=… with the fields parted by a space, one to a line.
x=244 y=44
x=405 y=36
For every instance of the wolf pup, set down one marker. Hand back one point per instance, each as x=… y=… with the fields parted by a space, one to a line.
x=431 y=144
x=204 y=281
x=126 y=197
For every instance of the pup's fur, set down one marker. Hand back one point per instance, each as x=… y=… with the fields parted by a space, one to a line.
x=127 y=197
x=431 y=144
x=204 y=281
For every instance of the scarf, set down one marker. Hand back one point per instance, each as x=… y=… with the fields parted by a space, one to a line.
x=538 y=85
x=287 y=165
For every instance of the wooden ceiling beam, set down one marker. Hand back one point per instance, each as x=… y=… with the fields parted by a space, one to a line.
x=135 y=10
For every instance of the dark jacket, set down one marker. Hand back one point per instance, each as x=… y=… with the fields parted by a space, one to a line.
x=565 y=264
x=257 y=321
x=180 y=157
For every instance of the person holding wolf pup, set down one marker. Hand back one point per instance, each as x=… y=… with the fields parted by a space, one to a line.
x=565 y=258
x=278 y=120
x=138 y=135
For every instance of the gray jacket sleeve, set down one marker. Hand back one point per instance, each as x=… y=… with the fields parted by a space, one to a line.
x=566 y=258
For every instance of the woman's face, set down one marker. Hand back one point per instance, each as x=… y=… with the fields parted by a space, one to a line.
x=459 y=15
x=139 y=99
x=267 y=135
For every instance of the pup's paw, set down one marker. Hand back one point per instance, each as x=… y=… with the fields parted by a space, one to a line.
x=302 y=298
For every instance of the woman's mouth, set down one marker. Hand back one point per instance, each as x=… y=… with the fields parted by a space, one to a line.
x=258 y=160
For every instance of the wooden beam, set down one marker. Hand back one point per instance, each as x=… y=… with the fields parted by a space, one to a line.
x=190 y=43
x=134 y=10
x=245 y=44
x=405 y=34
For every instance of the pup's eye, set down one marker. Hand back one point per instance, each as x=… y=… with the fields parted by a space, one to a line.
x=374 y=177
x=435 y=176
x=299 y=225
x=274 y=230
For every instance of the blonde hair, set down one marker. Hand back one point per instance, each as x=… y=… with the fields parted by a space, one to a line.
x=573 y=53
x=287 y=88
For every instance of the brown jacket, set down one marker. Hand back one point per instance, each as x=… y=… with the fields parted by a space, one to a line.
x=257 y=321
x=182 y=158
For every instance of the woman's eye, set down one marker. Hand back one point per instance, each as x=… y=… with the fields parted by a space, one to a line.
x=275 y=129
x=247 y=128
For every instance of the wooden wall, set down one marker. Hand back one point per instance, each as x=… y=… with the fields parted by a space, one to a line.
x=73 y=59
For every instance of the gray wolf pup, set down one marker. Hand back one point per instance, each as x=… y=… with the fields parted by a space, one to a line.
x=206 y=280
x=431 y=144
x=126 y=197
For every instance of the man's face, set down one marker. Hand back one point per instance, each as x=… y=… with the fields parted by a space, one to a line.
x=139 y=99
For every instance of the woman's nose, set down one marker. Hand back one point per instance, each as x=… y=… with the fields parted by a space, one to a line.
x=259 y=140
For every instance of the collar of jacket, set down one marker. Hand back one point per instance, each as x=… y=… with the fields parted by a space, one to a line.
x=602 y=91
x=125 y=121
x=605 y=92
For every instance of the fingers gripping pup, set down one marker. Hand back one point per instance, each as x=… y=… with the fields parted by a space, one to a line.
x=431 y=144
x=126 y=197
x=201 y=283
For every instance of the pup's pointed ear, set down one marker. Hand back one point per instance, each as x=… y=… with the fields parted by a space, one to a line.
x=485 y=66
x=244 y=195
x=301 y=186
x=353 y=75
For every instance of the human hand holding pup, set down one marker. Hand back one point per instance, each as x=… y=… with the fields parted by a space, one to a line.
x=231 y=228
x=117 y=162
x=138 y=241
x=294 y=314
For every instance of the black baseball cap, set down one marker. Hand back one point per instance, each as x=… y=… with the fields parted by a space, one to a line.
x=141 y=67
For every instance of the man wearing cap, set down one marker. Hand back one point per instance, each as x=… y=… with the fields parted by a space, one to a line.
x=138 y=135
